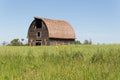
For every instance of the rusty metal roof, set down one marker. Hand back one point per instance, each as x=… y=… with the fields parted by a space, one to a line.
x=58 y=28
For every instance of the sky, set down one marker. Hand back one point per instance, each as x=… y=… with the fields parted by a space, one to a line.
x=96 y=20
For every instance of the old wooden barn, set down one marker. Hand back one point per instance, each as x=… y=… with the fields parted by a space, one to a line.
x=43 y=31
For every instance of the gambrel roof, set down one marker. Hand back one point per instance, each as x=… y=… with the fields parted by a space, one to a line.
x=58 y=28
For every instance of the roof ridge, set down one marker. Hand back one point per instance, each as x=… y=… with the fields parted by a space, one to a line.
x=48 y=19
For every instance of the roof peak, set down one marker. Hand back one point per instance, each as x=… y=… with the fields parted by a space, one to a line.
x=36 y=17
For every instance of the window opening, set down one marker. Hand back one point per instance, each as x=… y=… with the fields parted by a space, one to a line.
x=38 y=34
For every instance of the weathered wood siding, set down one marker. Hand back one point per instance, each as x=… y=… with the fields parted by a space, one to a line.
x=33 y=34
x=50 y=32
x=54 y=41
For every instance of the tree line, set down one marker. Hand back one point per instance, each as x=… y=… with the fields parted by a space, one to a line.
x=20 y=42
x=15 y=42
x=86 y=42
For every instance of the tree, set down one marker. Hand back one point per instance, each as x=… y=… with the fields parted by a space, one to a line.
x=22 y=41
x=87 y=41
x=4 y=43
x=77 y=42
x=15 y=42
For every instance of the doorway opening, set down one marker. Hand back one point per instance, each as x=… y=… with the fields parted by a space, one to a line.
x=38 y=43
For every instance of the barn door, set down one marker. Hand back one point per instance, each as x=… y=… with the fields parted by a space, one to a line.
x=38 y=43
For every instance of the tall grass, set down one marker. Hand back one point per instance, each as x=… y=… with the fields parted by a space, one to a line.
x=75 y=62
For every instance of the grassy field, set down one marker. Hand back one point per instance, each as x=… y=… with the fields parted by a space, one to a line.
x=73 y=62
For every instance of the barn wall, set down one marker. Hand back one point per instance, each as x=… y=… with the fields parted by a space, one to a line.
x=61 y=41
x=33 y=34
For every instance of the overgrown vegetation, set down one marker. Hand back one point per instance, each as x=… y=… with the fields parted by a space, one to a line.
x=73 y=62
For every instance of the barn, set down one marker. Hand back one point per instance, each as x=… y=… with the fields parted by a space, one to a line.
x=43 y=31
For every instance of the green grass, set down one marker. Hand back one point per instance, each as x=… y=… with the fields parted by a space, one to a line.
x=73 y=62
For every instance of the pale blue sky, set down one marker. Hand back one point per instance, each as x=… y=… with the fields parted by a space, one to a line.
x=98 y=20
